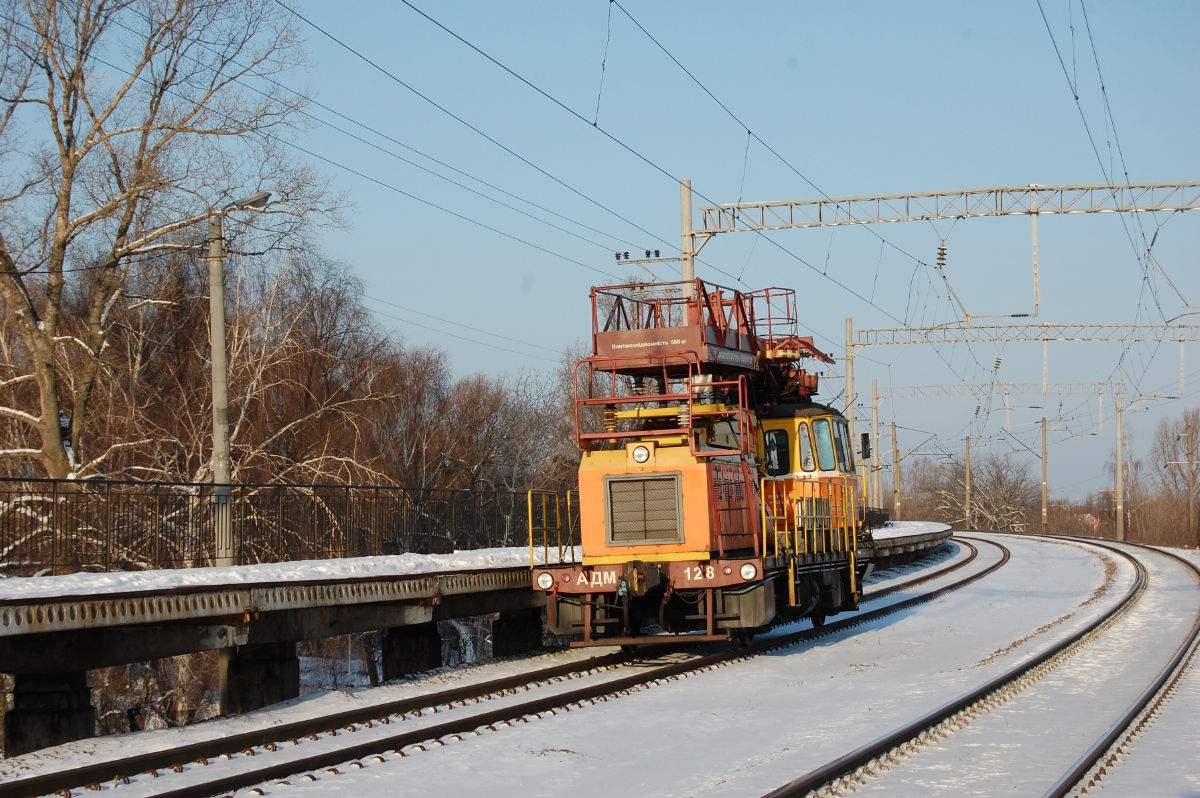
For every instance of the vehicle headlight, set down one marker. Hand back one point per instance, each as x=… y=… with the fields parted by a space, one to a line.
x=749 y=571
x=545 y=581
x=640 y=454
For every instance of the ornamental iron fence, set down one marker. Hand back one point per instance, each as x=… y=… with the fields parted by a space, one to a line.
x=63 y=526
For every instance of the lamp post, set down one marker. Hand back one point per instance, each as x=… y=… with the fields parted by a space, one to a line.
x=222 y=490
x=226 y=550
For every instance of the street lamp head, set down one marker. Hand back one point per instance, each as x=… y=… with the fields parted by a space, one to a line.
x=256 y=200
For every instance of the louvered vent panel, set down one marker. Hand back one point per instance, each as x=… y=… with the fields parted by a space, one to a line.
x=644 y=510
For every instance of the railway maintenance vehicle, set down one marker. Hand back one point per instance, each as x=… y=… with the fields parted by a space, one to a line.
x=715 y=494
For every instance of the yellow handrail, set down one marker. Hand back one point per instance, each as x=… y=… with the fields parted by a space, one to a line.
x=808 y=516
x=545 y=500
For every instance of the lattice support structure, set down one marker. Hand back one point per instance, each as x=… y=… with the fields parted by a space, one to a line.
x=961 y=204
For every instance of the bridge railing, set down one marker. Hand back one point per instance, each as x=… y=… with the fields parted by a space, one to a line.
x=63 y=526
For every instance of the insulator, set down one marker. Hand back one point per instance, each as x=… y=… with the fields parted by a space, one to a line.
x=656 y=253
x=997 y=366
x=610 y=420
x=941 y=255
x=685 y=419
x=647 y=253
x=618 y=254
x=626 y=256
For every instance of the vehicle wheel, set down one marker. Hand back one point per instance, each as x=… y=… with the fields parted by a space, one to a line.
x=629 y=649
x=818 y=620
x=744 y=637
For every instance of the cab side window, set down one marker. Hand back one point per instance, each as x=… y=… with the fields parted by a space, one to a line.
x=806 y=453
x=779 y=457
x=841 y=434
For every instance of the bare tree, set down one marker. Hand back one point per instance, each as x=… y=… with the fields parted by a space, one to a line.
x=307 y=382
x=1002 y=491
x=1157 y=486
x=124 y=123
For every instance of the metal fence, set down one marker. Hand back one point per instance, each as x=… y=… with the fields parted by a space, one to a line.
x=63 y=526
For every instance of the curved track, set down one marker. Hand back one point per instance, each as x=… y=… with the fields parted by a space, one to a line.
x=380 y=720
x=886 y=755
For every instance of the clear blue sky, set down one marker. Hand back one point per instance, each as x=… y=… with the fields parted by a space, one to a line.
x=861 y=98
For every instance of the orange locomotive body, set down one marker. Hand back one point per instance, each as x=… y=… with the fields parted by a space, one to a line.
x=714 y=494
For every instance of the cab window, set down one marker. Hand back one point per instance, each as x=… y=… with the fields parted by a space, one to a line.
x=824 y=438
x=806 y=453
x=841 y=436
x=779 y=456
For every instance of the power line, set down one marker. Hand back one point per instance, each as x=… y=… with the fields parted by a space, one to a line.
x=749 y=133
x=620 y=143
x=356 y=172
x=473 y=128
x=455 y=214
x=464 y=326
x=399 y=143
x=461 y=337
x=746 y=127
x=1146 y=276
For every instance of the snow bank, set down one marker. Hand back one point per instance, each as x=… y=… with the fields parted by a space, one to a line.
x=90 y=584
x=903 y=529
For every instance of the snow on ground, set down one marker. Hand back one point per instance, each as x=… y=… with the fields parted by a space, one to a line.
x=750 y=727
x=117 y=747
x=25 y=588
x=1091 y=688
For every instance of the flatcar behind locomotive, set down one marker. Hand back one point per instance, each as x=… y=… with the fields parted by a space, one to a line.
x=714 y=493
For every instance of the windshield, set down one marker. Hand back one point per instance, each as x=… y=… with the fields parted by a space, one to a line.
x=824 y=444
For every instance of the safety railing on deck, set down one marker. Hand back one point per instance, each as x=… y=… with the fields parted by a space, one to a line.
x=62 y=526
x=550 y=529
x=808 y=516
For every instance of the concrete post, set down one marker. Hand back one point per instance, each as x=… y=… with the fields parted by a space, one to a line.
x=48 y=709
x=851 y=398
x=895 y=475
x=221 y=464
x=1190 y=431
x=967 y=506
x=1045 y=483
x=876 y=460
x=687 y=242
x=1120 y=478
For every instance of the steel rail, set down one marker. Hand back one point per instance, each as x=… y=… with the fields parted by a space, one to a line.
x=849 y=763
x=211 y=749
x=556 y=702
x=1084 y=765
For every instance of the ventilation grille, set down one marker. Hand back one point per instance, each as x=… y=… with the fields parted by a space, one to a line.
x=644 y=510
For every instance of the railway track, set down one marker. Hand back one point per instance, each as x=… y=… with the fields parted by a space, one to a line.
x=284 y=743
x=887 y=754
